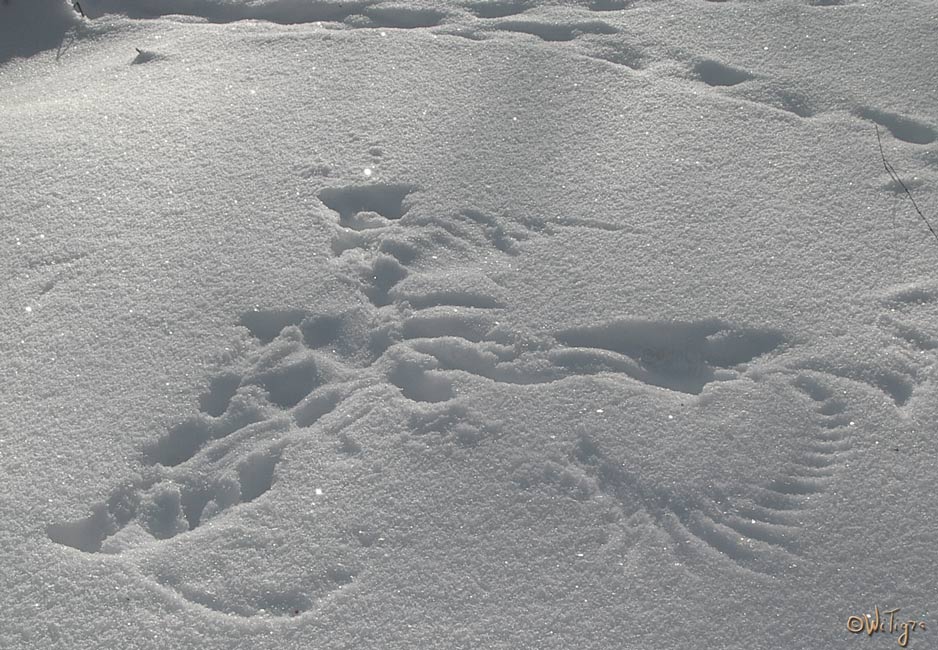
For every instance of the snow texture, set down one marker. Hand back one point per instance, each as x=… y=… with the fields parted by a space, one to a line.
x=476 y=324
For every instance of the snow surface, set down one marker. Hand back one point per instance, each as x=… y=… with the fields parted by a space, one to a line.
x=476 y=324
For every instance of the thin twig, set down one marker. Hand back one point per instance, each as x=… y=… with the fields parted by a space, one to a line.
x=895 y=177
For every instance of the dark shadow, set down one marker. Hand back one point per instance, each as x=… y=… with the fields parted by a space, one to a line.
x=28 y=27
x=556 y=31
x=498 y=8
x=266 y=324
x=680 y=356
x=714 y=73
x=902 y=127
x=386 y=199
x=286 y=13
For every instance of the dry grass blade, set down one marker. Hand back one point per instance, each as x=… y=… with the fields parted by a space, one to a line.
x=895 y=177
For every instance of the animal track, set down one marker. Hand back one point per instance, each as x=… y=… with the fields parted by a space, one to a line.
x=208 y=463
x=453 y=330
x=400 y=17
x=428 y=331
x=303 y=367
x=897 y=383
x=285 y=13
x=910 y=361
x=909 y=313
x=447 y=338
x=590 y=38
x=902 y=127
x=897 y=323
x=384 y=200
x=752 y=524
x=618 y=53
x=783 y=98
x=609 y=5
x=498 y=8
x=714 y=73
x=680 y=356
x=354 y=13
x=556 y=31
x=429 y=328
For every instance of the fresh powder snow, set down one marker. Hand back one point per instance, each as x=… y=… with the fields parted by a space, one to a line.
x=507 y=324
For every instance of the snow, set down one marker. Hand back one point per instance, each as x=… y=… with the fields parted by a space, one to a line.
x=491 y=323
